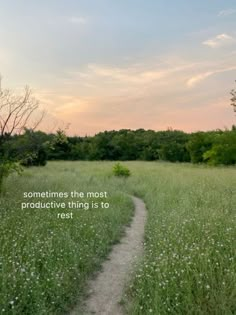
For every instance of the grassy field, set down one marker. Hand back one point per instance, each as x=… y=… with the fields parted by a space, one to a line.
x=189 y=260
x=45 y=260
x=189 y=265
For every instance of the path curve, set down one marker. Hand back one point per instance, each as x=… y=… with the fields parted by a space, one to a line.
x=107 y=288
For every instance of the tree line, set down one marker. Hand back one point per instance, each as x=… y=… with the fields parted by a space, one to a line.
x=211 y=147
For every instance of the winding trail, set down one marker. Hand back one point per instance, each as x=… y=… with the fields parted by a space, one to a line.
x=107 y=288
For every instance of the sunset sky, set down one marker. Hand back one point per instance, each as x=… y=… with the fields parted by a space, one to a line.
x=112 y=64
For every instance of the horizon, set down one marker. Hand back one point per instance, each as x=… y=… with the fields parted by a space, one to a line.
x=134 y=130
x=130 y=65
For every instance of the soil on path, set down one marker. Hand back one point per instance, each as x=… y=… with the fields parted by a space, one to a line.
x=107 y=288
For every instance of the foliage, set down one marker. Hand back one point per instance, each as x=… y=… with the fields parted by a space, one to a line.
x=223 y=150
x=60 y=146
x=35 y=159
x=120 y=170
x=171 y=145
x=125 y=144
x=198 y=144
x=29 y=148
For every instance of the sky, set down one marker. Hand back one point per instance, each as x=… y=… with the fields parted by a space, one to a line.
x=100 y=65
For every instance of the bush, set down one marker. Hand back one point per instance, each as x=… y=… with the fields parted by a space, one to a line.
x=120 y=170
x=35 y=159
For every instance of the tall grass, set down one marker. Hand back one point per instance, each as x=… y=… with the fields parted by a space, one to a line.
x=45 y=261
x=188 y=265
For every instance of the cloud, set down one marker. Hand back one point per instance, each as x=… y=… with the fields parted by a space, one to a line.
x=219 y=40
x=202 y=76
x=226 y=12
x=130 y=75
x=71 y=20
x=134 y=75
x=76 y=20
x=198 y=78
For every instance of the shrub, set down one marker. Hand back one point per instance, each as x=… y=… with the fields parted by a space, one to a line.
x=35 y=159
x=120 y=170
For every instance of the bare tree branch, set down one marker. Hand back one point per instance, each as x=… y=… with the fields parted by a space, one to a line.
x=37 y=123
x=16 y=111
x=233 y=99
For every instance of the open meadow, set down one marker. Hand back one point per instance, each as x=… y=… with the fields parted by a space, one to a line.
x=188 y=266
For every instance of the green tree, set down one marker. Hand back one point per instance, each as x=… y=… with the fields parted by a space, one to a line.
x=31 y=146
x=199 y=143
x=223 y=150
x=60 y=146
x=17 y=112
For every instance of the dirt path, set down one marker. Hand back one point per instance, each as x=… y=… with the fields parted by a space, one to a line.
x=107 y=288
